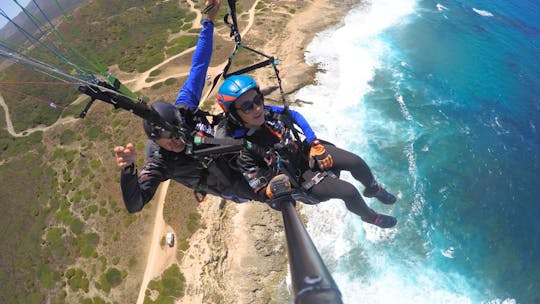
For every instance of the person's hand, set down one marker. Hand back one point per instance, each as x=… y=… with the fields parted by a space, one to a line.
x=278 y=190
x=319 y=157
x=212 y=13
x=125 y=156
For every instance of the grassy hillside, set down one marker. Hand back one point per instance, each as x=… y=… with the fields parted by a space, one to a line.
x=133 y=34
x=66 y=237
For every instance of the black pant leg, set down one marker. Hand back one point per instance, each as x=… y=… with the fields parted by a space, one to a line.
x=331 y=187
x=348 y=161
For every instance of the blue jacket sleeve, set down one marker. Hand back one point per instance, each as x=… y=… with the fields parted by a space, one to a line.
x=299 y=120
x=191 y=91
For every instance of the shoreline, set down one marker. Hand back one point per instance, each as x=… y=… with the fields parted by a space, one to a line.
x=301 y=28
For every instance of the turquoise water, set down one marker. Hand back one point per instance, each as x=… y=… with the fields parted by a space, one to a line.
x=442 y=99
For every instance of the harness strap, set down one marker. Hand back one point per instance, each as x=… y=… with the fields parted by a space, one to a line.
x=317 y=179
x=250 y=68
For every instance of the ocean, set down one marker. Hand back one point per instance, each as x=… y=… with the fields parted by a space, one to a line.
x=442 y=100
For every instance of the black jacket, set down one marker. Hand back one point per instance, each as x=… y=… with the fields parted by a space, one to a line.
x=258 y=165
x=219 y=179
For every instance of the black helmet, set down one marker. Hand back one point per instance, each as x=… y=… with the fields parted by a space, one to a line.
x=169 y=114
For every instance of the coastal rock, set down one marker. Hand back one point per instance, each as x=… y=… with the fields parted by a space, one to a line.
x=238 y=256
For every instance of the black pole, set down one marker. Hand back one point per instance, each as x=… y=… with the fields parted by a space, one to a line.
x=311 y=280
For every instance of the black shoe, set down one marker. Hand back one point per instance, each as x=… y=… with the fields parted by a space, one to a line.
x=384 y=221
x=382 y=195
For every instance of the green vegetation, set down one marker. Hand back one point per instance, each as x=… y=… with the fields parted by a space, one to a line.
x=67 y=137
x=183 y=245
x=155 y=73
x=169 y=287
x=47 y=277
x=130 y=33
x=138 y=29
x=86 y=244
x=171 y=81
x=55 y=241
x=77 y=279
x=180 y=44
x=94 y=300
x=77 y=226
x=15 y=146
x=110 y=278
x=193 y=222
x=64 y=226
x=180 y=211
x=93 y=132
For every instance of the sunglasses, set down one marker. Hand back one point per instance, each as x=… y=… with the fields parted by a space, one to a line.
x=249 y=105
x=162 y=133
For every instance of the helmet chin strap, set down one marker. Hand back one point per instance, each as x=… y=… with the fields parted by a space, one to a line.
x=234 y=118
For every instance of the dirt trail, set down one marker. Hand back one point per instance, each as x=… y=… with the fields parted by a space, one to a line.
x=11 y=130
x=159 y=258
x=138 y=82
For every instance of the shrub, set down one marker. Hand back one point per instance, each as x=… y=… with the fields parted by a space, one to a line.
x=87 y=243
x=113 y=276
x=67 y=137
x=77 y=279
x=64 y=215
x=154 y=73
x=76 y=226
x=95 y=163
x=93 y=132
x=47 y=277
x=193 y=222
x=183 y=245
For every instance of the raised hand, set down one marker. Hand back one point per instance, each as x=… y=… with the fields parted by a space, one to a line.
x=211 y=9
x=125 y=156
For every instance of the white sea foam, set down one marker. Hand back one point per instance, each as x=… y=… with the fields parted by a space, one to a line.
x=349 y=57
x=482 y=12
x=404 y=109
x=441 y=7
x=501 y=301
x=449 y=252
x=387 y=285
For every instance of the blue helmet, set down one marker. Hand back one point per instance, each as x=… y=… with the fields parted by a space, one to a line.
x=232 y=88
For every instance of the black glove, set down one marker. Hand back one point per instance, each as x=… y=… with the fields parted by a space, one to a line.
x=278 y=191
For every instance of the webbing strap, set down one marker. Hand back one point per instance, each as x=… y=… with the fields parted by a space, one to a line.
x=317 y=179
x=251 y=67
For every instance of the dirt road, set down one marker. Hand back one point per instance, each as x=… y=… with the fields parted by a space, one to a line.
x=11 y=130
x=159 y=258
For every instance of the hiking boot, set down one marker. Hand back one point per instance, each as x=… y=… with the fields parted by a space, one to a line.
x=384 y=221
x=382 y=195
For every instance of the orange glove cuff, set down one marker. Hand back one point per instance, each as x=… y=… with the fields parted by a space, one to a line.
x=317 y=150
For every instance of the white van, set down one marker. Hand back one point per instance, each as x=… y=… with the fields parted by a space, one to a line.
x=169 y=238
